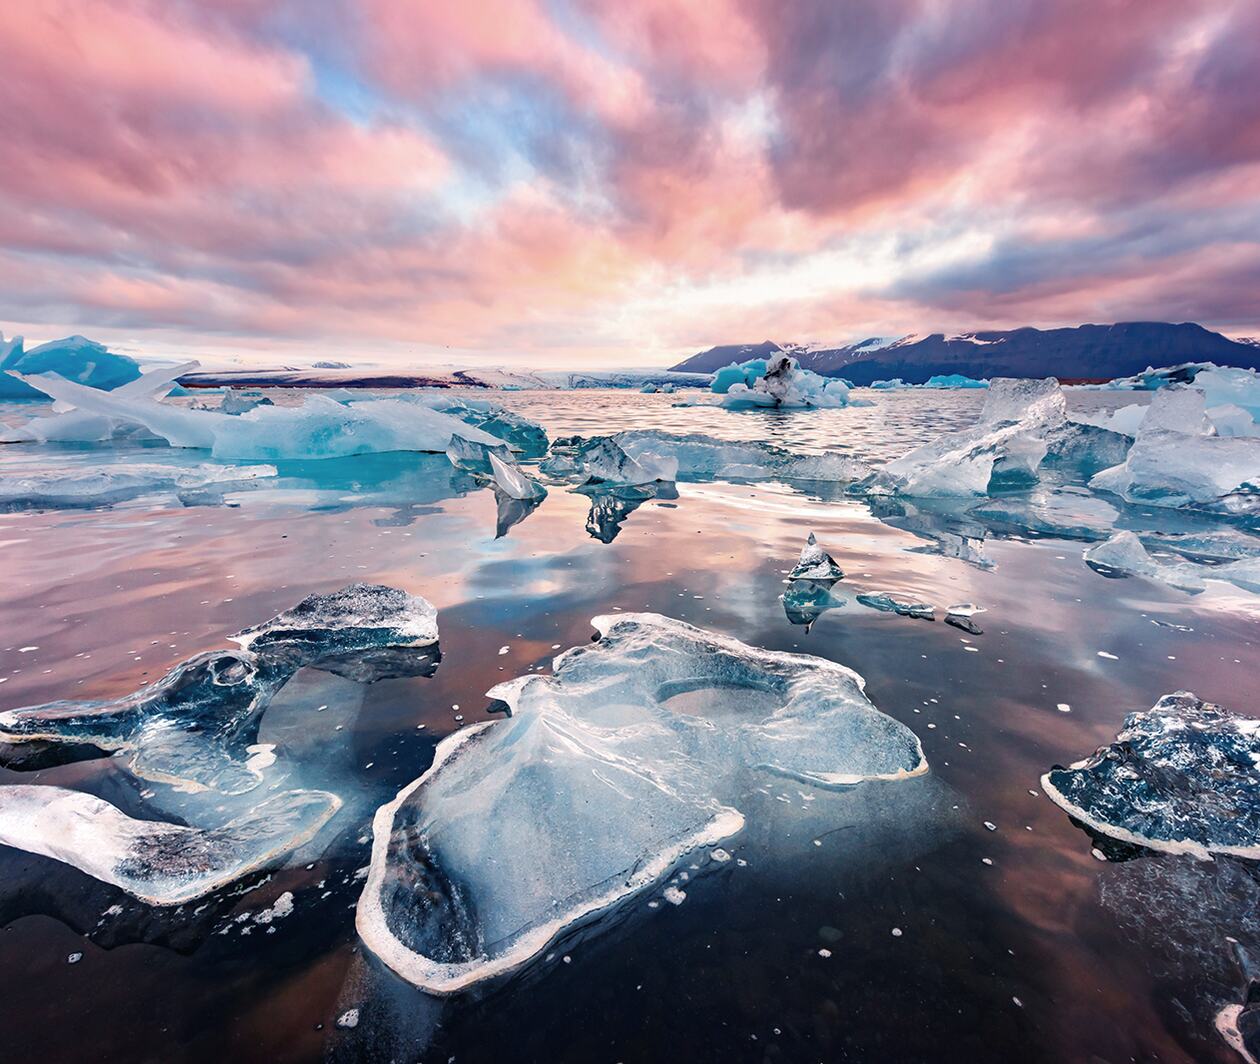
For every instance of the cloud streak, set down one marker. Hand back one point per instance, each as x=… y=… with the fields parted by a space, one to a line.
x=594 y=181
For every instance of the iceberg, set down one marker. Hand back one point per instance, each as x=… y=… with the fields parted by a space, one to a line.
x=193 y=728
x=1173 y=462
x=1022 y=426
x=526 y=437
x=636 y=752
x=513 y=483
x=815 y=564
x=157 y=862
x=104 y=485
x=76 y=358
x=953 y=380
x=896 y=384
x=745 y=373
x=785 y=385
x=1181 y=777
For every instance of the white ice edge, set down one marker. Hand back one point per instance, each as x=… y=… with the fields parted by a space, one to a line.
x=435 y=977
x=1177 y=846
x=1226 y=1024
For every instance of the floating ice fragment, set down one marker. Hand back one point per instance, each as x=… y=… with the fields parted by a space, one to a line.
x=1181 y=777
x=348 y=1019
x=888 y=604
x=74 y=487
x=475 y=456
x=783 y=384
x=159 y=863
x=194 y=727
x=674 y=896
x=953 y=380
x=602 y=778
x=513 y=483
x=815 y=563
x=966 y=624
x=805 y=601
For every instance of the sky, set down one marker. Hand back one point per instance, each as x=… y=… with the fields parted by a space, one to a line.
x=585 y=183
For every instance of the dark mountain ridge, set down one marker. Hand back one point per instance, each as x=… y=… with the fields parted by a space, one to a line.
x=1080 y=353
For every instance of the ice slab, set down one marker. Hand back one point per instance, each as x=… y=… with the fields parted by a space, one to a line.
x=522 y=435
x=602 y=460
x=783 y=385
x=157 y=862
x=76 y=358
x=475 y=457
x=700 y=456
x=1173 y=462
x=635 y=752
x=320 y=427
x=1125 y=553
x=886 y=603
x=193 y=728
x=74 y=487
x=513 y=483
x=1023 y=426
x=1181 y=777
x=815 y=563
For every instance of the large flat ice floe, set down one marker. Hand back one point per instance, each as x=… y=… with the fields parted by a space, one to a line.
x=1023 y=426
x=193 y=728
x=637 y=750
x=319 y=427
x=157 y=862
x=74 y=487
x=1181 y=777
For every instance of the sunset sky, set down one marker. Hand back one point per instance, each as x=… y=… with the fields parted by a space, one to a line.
x=613 y=182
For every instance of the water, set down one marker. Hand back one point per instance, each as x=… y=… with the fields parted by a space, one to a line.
x=1046 y=953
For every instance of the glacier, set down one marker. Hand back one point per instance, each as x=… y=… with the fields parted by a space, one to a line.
x=1181 y=777
x=635 y=752
x=157 y=862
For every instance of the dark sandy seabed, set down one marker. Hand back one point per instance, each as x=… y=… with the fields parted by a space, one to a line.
x=901 y=928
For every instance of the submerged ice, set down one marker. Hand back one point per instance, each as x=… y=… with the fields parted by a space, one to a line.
x=1181 y=777
x=636 y=751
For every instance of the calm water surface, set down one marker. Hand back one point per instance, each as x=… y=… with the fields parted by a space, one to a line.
x=948 y=941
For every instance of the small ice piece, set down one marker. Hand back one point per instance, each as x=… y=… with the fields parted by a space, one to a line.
x=159 y=863
x=195 y=727
x=624 y=761
x=675 y=896
x=74 y=958
x=815 y=563
x=1063 y=707
x=805 y=601
x=958 y=620
x=233 y=402
x=474 y=455
x=888 y=604
x=513 y=483
x=348 y=1019
x=277 y=910
x=720 y=855
x=965 y=609
x=1181 y=777
x=603 y=461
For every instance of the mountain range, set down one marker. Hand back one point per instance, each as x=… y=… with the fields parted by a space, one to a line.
x=1081 y=353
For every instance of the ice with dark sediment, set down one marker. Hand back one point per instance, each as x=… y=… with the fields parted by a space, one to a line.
x=193 y=728
x=76 y=486
x=1181 y=777
x=157 y=862
x=815 y=564
x=781 y=385
x=1023 y=426
x=635 y=752
x=1125 y=553
x=1174 y=462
